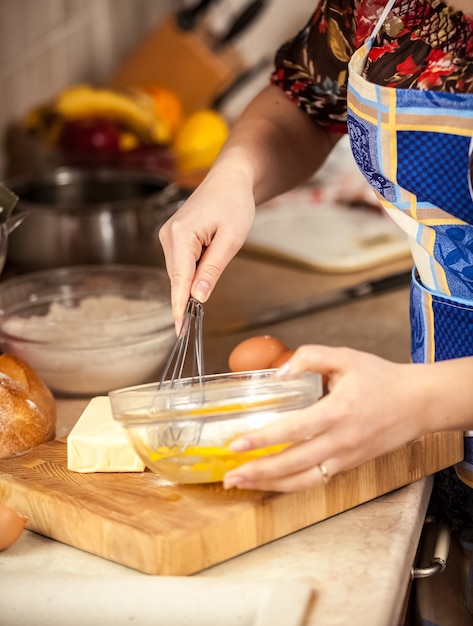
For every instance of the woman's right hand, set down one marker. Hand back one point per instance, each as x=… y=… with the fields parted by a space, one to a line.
x=202 y=237
x=271 y=148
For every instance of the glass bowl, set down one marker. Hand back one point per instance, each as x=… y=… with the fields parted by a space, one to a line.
x=88 y=329
x=183 y=432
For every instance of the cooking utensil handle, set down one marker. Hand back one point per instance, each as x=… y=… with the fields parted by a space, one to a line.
x=320 y=302
x=187 y=18
x=240 y=81
x=15 y=219
x=165 y=203
x=241 y=23
x=8 y=200
x=441 y=550
x=171 y=193
x=392 y=281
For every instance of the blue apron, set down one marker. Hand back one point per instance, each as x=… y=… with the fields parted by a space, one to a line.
x=430 y=135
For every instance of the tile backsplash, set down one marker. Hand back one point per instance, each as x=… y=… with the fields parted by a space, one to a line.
x=46 y=45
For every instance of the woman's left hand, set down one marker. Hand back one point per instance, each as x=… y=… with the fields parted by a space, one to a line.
x=373 y=407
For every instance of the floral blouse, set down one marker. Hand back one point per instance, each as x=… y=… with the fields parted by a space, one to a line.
x=423 y=44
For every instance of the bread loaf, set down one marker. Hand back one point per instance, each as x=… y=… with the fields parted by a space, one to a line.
x=27 y=407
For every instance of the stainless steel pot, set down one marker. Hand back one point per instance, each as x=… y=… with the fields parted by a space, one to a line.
x=8 y=222
x=90 y=216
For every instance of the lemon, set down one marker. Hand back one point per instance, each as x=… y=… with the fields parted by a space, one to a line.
x=199 y=140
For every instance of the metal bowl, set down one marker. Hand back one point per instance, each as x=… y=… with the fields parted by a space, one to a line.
x=90 y=216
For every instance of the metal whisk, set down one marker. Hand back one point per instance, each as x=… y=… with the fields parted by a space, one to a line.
x=182 y=433
x=191 y=330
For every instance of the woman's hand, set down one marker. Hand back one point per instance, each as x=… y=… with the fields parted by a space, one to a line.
x=202 y=237
x=373 y=407
x=271 y=148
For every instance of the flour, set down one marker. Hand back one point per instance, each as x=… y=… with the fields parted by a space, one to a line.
x=103 y=343
x=95 y=320
x=101 y=308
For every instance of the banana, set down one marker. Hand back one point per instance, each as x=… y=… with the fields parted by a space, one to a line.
x=132 y=109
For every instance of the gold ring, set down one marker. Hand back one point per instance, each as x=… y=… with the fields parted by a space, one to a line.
x=324 y=472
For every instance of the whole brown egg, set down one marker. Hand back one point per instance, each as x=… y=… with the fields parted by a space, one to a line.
x=256 y=353
x=11 y=526
x=282 y=358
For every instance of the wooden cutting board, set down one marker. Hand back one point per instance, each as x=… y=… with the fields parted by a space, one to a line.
x=140 y=521
x=330 y=238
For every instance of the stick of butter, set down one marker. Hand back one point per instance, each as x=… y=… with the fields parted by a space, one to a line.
x=97 y=443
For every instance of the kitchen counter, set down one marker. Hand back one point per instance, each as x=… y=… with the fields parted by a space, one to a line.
x=357 y=563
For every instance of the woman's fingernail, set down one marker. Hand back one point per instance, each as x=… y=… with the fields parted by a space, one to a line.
x=201 y=290
x=240 y=445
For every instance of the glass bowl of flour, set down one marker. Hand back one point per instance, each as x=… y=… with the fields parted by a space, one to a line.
x=86 y=330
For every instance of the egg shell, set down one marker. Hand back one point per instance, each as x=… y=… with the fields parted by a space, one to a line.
x=255 y=353
x=11 y=526
x=282 y=358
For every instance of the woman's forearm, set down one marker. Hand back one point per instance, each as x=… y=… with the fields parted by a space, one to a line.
x=274 y=145
x=445 y=394
x=271 y=148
